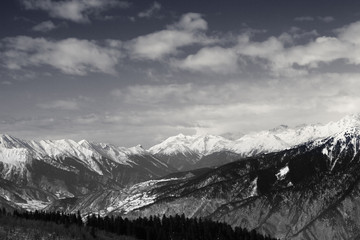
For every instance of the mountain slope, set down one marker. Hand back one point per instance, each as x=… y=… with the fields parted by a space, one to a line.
x=43 y=171
x=182 y=152
x=311 y=191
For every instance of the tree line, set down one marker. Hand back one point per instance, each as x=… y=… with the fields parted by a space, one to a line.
x=176 y=227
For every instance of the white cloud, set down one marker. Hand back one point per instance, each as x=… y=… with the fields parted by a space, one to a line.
x=298 y=59
x=154 y=8
x=71 y=56
x=157 y=45
x=344 y=104
x=73 y=10
x=45 y=26
x=264 y=49
x=211 y=59
x=191 y=22
x=350 y=33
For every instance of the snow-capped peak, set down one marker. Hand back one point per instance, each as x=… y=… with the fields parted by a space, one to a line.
x=10 y=142
x=138 y=150
x=15 y=151
x=276 y=139
x=197 y=144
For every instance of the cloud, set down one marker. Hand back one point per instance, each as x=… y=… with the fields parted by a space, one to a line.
x=210 y=59
x=344 y=104
x=350 y=33
x=6 y=83
x=71 y=56
x=299 y=59
x=184 y=45
x=148 y=113
x=157 y=45
x=154 y=8
x=181 y=95
x=45 y=26
x=60 y=105
x=67 y=104
x=212 y=108
x=326 y=19
x=190 y=22
x=304 y=19
x=73 y=10
x=296 y=34
x=236 y=106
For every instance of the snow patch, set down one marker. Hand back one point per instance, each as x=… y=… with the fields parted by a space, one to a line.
x=138 y=196
x=282 y=173
x=33 y=205
x=253 y=187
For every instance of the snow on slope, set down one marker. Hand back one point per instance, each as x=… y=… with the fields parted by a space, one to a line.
x=283 y=138
x=137 y=196
x=260 y=142
x=15 y=151
x=199 y=144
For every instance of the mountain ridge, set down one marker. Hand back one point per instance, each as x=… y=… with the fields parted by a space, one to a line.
x=310 y=192
x=50 y=166
x=305 y=191
x=196 y=147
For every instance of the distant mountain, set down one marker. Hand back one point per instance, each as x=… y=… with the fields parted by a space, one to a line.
x=34 y=173
x=311 y=191
x=183 y=152
x=191 y=152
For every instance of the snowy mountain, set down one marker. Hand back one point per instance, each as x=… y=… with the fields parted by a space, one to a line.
x=303 y=176
x=189 y=152
x=202 y=145
x=310 y=191
x=46 y=170
x=183 y=152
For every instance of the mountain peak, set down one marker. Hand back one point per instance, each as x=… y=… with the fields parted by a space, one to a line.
x=9 y=141
x=352 y=120
x=84 y=143
x=279 y=128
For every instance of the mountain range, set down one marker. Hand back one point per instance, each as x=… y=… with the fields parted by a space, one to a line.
x=34 y=173
x=191 y=152
x=291 y=183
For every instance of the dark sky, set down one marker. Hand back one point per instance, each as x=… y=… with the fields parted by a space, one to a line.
x=136 y=72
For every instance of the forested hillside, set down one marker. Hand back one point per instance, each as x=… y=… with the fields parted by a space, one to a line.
x=62 y=226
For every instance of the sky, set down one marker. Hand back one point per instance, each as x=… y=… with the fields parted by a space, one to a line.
x=137 y=72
